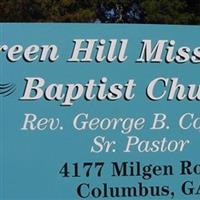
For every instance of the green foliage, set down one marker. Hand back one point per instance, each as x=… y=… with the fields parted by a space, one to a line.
x=156 y=11
x=166 y=12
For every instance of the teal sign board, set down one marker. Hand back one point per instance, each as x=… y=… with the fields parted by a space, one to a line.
x=99 y=112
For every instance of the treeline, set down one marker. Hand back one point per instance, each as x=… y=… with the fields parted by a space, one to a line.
x=122 y=11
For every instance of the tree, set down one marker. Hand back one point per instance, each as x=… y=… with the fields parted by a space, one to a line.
x=166 y=12
x=115 y=11
x=120 y=12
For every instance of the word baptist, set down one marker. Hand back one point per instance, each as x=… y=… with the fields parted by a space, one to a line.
x=158 y=89
x=99 y=50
